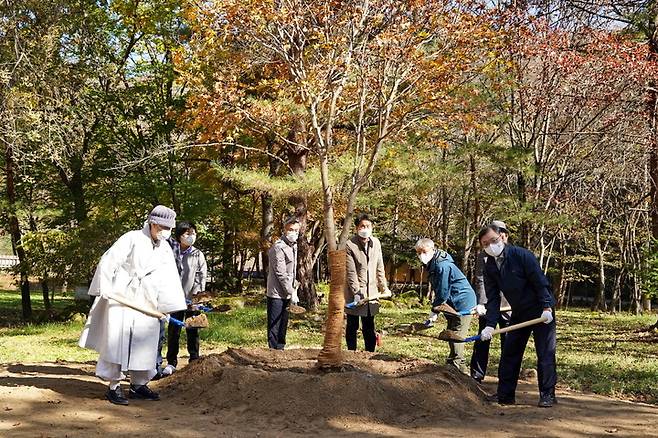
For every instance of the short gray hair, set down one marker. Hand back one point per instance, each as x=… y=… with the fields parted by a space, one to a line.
x=424 y=243
x=291 y=221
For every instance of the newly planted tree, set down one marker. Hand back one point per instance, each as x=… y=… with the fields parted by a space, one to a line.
x=360 y=74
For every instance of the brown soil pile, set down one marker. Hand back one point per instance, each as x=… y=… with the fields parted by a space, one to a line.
x=286 y=387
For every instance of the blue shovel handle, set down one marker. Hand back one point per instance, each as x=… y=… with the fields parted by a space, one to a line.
x=175 y=321
x=472 y=338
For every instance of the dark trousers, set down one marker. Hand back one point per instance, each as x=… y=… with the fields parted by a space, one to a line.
x=367 y=328
x=277 y=322
x=512 y=356
x=480 y=357
x=173 y=338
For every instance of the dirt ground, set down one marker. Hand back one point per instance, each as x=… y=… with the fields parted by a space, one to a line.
x=252 y=392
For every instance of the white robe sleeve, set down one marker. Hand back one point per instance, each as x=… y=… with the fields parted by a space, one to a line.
x=109 y=264
x=171 y=297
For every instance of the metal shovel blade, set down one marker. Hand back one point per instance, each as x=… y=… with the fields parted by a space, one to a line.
x=199 y=321
x=296 y=310
x=445 y=308
x=450 y=336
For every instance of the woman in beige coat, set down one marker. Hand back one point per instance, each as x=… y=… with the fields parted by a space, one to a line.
x=365 y=279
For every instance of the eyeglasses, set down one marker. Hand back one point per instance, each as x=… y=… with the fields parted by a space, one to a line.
x=492 y=241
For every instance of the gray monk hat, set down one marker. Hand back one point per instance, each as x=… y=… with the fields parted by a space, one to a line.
x=501 y=225
x=162 y=215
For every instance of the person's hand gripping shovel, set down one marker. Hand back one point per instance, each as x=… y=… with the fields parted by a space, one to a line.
x=199 y=321
x=488 y=332
x=359 y=301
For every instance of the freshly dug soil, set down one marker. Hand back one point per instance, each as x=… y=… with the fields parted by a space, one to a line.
x=287 y=387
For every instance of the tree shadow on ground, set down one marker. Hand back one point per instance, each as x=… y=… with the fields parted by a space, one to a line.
x=69 y=387
x=47 y=369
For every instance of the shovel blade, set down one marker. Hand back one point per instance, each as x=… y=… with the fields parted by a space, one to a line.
x=199 y=321
x=450 y=336
x=296 y=310
x=445 y=308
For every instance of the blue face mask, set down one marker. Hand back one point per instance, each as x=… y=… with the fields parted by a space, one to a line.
x=189 y=239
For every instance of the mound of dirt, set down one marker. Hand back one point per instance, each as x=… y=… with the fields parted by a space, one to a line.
x=286 y=387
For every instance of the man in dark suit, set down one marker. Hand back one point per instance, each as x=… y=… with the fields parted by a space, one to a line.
x=516 y=273
x=480 y=356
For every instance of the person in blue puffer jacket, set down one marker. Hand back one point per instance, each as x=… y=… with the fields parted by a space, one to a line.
x=450 y=287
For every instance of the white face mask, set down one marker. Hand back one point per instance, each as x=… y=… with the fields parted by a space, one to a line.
x=292 y=236
x=189 y=239
x=495 y=249
x=163 y=234
x=425 y=257
x=364 y=233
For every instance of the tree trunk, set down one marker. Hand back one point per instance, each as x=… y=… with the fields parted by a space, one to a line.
x=267 y=212
x=652 y=112
x=45 y=292
x=599 y=299
x=562 y=288
x=15 y=232
x=331 y=354
x=266 y=230
x=616 y=294
x=307 y=292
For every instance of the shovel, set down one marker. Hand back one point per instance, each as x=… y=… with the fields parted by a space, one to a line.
x=296 y=309
x=200 y=321
x=363 y=301
x=452 y=336
x=448 y=310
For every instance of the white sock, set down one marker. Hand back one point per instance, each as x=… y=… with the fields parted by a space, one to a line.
x=114 y=384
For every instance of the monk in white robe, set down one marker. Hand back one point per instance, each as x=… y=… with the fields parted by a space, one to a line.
x=139 y=267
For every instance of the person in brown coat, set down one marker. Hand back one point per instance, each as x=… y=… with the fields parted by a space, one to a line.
x=365 y=279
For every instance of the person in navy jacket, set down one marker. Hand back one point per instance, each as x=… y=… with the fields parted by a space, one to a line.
x=480 y=357
x=450 y=287
x=515 y=272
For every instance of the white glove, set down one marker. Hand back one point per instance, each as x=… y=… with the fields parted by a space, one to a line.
x=431 y=319
x=357 y=298
x=165 y=317
x=486 y=333
x=295 y=298
x=547 y=314
x=481 y=310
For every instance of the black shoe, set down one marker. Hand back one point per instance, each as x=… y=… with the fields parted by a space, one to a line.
x=501 y=401
x=546 y=400
x=116 y=397
x=143 y=392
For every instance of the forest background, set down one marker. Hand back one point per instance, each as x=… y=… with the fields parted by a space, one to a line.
x=237 y=114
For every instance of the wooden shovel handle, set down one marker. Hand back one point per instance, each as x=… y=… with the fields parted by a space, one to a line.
x=367 y=300
x=127 y=303
x=519 y=325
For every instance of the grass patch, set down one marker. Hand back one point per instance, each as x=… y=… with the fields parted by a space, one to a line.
x=600 y=353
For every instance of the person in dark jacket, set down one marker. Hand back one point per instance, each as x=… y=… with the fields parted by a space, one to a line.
x=450 y=287
x=282 y=283
x=480 y=356
x=515 y=272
